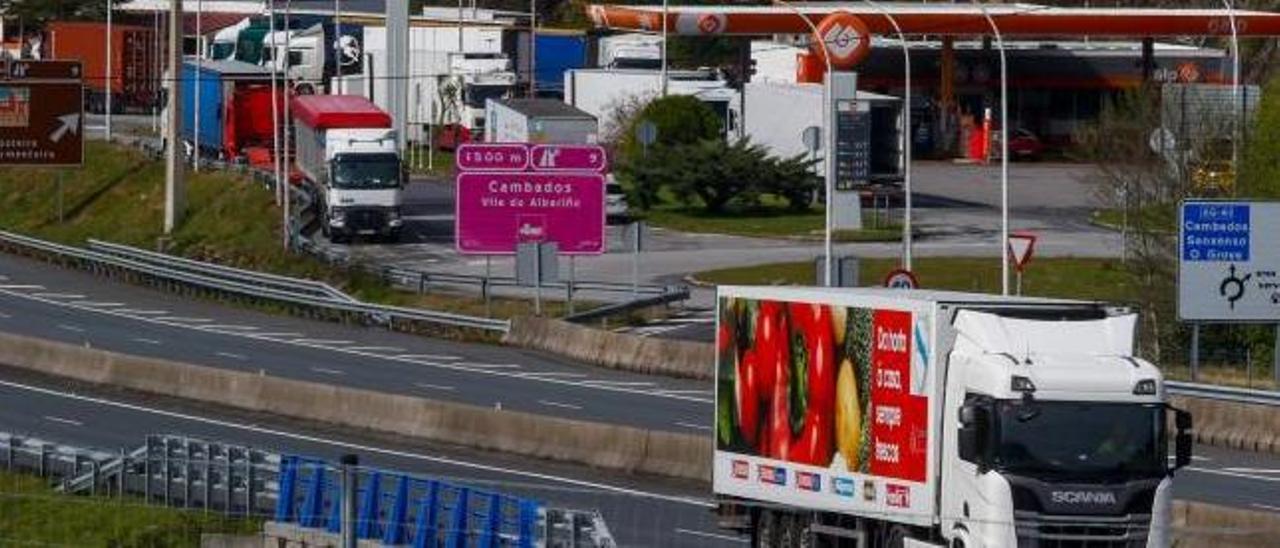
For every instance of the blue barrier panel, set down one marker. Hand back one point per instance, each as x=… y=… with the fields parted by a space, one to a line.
x=491 y=535
x=428 y=518
x=367 y=524
x=528 y=523
x=335 y=509
x=458 y=529
x=312 y=514
x=394 y=534
x=288 y=489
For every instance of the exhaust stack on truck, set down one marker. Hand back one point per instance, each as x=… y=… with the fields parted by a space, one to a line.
x=348 y=154
x=918 y=418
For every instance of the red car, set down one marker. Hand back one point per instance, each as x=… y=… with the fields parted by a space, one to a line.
x=1024 y=145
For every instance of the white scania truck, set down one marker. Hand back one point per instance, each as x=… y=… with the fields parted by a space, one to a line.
x=877 y=417
x=349 y=155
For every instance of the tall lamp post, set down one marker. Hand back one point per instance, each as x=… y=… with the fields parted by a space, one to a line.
x=828 y=137
x=907 y=242
x=1237 y=107
x=1004 y=153
x=110 y=80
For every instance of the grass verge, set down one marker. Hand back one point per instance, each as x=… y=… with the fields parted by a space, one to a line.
x=118 y=196
x=33 y=514
x=765 y=222
x=1078 y=278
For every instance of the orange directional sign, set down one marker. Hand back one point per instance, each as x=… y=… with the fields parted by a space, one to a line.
x=41 y=118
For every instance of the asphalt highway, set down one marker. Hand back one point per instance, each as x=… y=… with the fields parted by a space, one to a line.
x=41 y=300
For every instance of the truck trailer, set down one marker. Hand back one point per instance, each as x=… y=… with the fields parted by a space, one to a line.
x=133 y=80
x=604 y=92
x=349 y=157
x=538 y=121
x=235 y=110
x=885 y=417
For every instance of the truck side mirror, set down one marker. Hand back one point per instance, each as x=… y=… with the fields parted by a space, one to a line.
x=972 y=436
x=1182 y=440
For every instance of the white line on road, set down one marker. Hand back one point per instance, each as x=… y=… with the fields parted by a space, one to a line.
x=694 y=426
x=240 y=357
x=439 y=365
x=321 y=342
x=490 y=365
x=58 y=295
x=139 y=312
x=376 y=348
x=428 y=357
x=62 y=420
x=619 y=383
x=702 y=503
x=434 y=386
x=556 y=374
x=21 y=286
x=3 y=315
x=181 y=319
x=327 y=371
x=271 y=335
x=1266 y=507
x=1253 y=470
x=550 y=403
x=701 y=392
x=97 y=304
x=71 y=328
x=231 y=327
x=726 y=538
x=147 y=341
x=1230 y=474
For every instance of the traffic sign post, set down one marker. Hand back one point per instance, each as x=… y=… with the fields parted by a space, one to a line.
x=1022 y=245
x=41 y=114
x=901 y=279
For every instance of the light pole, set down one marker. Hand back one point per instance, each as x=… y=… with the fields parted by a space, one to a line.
x=1238 y=108
x=533 y=48
x=664 y=47
x=828 y=134
x=337 y=48
x=1004 y=153
x=195 y=110
x=175 y=191
x=110 y=80
x=907 y=241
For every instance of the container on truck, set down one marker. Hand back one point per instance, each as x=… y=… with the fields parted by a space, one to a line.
x=350 y=161
x=538 y=121
x=604 y=92
x=631 y=51
x=778 y=113
x=557 y=51
x=133 y=80
x=883 y=417
x=235 y=110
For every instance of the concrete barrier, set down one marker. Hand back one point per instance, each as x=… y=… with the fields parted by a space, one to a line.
x=602 y=348
x=613 y=447
x=1198 y=524
x=1237 y=426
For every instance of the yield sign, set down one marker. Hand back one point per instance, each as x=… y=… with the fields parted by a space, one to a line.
x=1021 y=246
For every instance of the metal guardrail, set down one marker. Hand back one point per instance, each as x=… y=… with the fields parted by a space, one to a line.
x=673 y=295
x=1224 y=393
x=380 y=314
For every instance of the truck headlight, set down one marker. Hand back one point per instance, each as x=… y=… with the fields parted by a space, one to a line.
x=337 y=217
x=1022 y=384
x=1145 y=387
x=393 y=217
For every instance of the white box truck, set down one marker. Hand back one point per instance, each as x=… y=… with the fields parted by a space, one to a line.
x=879 y=417
x=349 y=156
x=538 y=121
x=601 y=92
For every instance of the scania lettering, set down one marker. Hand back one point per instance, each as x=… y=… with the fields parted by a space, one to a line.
x=892 y=418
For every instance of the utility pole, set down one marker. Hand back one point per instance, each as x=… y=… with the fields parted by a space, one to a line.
x=110 y=79
x=175 y=189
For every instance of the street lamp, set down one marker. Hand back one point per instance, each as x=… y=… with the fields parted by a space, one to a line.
x=906 y=135
x=828 y=134
x=110 y=80
x=664 y=47
x=1235 y=98
x=1004 y=154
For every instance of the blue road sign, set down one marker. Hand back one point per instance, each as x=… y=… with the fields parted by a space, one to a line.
x=1215 y=232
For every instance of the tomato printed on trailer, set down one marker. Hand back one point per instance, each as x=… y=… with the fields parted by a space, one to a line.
x=899 y=419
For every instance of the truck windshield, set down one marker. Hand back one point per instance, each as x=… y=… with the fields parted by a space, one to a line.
x=222 y=50
x=477 y=94
x=366 y=171
x=1055 y=440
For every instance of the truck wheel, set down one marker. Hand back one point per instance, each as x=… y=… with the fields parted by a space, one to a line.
x=895 y=537
x=765 y=533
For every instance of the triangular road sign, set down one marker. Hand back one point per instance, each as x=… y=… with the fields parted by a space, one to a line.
x=1021 y=246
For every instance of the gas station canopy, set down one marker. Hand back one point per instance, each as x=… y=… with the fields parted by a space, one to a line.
x=1013 y=20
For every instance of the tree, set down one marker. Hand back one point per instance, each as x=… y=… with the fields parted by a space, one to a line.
x=680 y=121
x=1260 y=165
x=40 y=11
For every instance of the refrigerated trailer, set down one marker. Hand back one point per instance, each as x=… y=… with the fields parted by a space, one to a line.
x=234 y=109
x=133 y=81
x=879 y=417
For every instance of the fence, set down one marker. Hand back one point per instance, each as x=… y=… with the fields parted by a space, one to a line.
x=394 y=508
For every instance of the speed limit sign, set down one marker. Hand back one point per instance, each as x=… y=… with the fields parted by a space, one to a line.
x=901 y=279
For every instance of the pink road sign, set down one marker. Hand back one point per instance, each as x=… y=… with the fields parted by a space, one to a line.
x=492 y=157
x=568 y=158
x=497 y=211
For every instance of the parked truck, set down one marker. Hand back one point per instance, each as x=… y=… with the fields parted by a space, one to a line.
x=234 y=108
x=884 y=417
x=603 y=92
x=133 y=79
x=349 y=157
x=538 y=121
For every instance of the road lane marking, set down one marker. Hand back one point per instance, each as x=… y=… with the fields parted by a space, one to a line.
x=183 y=319
x=1253 y=470
x=702 y=503
x=130 y=312
x=327 y=371
x=726 y=538
x=376 y=348
x=620 y=383
x=269 y=336
x=322 y=342
x=97 y=304
x=705 y=392
x=488 y=366
x=550 y=403
x=1230 y=474
x=231 y=327
x=566 y=382
x=5 y=316
x=147 y=341
x=240 y=357
x=69 y=296
x=556 y=374
x=71 y=328
x=694 y=426
x=427 y=357
x=62 y=420
x=21 y=286
x=434 y=386
x=1266 y=507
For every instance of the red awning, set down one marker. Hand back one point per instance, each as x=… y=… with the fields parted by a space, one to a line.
x=338 y=112
x=210 y=21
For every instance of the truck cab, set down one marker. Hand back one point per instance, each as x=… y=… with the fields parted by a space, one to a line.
x=1054 y=433
x=299 y=55
x=480 y=77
